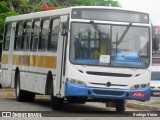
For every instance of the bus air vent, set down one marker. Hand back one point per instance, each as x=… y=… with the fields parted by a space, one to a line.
x=108 y=92
x=109 y=74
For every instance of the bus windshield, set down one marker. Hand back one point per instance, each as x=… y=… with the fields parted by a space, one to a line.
x=109 y=45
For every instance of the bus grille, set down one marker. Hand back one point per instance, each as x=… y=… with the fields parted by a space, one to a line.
x=104 y=92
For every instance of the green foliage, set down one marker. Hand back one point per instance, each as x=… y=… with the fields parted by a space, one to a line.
x=4 y=7
x=4 y=12
x=90 y=2
x=13 y=7
x=107 y=3
x=25 y=8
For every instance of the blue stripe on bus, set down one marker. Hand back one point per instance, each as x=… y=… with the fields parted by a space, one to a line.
x=75 y=90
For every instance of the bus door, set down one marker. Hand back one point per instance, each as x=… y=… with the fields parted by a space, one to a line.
x=61 y=56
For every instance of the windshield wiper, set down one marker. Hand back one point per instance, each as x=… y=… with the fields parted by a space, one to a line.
x=95 y=26
x=123 y=35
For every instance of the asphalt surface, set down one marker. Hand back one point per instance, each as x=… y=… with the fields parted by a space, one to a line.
x=155 y=97
x=88 y=111
x=43 y=104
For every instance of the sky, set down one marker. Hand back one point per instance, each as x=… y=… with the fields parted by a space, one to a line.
x=150 y=6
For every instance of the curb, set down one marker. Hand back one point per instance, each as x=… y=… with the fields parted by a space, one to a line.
x=142 y=106
x=7 y=93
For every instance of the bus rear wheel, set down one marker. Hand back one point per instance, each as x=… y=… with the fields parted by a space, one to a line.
x=120 y=105
x=22 y=95
x=56 y=103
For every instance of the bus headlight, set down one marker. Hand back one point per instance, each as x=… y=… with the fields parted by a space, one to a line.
x=77 y=82
x=143 y=85
x=139 y=86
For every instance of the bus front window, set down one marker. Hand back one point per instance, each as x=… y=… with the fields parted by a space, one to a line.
x=109 y=45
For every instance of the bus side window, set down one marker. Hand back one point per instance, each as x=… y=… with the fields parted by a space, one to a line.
x=43 y=41
x=35 y=35
x=26 y=35
x=18 y=36
x=53 y=41
x=7 y=36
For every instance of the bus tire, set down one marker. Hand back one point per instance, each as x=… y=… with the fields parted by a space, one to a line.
x=56 y=103
x=30 y=96
x=20 y=94
x=120 y=105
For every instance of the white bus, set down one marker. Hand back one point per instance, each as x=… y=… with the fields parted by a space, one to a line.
x=79 y=54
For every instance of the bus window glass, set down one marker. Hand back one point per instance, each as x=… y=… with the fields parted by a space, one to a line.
x=18 y=36
x=54 y=35
x=43 y=42
x=26 y=37
x=35 y=35
x=89 y=42
x=102 y=44
x=7 y=36
x=133 y=49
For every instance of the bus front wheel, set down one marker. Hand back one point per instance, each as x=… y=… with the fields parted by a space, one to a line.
x=120 y=105
x=56 y=103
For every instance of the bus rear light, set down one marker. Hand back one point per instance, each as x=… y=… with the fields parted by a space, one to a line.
x=138 y=94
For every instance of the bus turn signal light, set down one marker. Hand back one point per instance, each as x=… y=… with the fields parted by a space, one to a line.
x=138 y=94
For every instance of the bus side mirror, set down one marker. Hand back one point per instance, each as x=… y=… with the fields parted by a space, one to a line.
x=155 y=44
x=64 y=25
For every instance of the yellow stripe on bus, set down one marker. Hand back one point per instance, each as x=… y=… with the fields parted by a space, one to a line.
x=32 y=60
x=5 y=59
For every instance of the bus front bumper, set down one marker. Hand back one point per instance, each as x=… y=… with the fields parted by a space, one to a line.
x=108 y=93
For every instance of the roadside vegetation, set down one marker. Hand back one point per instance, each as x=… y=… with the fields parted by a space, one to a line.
x=15 y=7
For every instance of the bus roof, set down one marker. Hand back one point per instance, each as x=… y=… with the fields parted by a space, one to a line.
x=62 y=11
x=42 y=14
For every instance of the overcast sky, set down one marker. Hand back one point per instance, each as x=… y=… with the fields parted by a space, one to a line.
x=150 y=6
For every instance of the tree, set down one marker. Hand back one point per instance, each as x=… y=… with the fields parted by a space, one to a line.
x=28 y=6
x=14 y=7
x=112 y=3
x=5 y=11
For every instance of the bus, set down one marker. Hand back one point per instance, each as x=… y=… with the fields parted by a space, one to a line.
x=78 y=55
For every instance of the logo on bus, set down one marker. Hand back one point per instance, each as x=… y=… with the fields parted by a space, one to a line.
x=108 y=84
x=138 y=94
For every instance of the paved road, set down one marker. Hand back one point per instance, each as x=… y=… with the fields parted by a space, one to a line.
x=155 y=97
x=88 y=111
x=41 y=104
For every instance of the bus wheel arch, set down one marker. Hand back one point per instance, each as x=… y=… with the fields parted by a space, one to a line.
x=49 y=82
x=22 y=95
x=18 y=92
x=56 y=102
x=15 y=76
